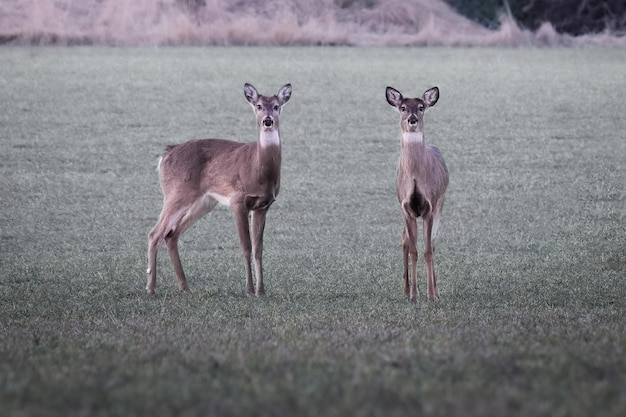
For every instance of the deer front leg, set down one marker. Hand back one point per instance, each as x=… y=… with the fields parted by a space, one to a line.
x=405 y=260
x=258 y=226
x=429 y=251
x=411 y=231
x=243 y=228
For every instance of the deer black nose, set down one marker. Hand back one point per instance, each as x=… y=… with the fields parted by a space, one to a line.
x=268 y=122
x=412 y=119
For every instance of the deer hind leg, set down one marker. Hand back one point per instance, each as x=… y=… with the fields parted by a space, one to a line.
x=153 y=246
x=171 y=241
x=258 y=226
x=164 y=231
x=172 y=223
x=411 y=242
x=429 y=255
x=155 y=237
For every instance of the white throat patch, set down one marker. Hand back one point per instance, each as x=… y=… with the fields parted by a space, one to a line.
x=413 y=137
x=269 y=138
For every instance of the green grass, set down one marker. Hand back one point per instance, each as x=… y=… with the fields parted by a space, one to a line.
x=530 y=255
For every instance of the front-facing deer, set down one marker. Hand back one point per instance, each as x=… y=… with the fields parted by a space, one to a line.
x=421 y=184
x=197 y=175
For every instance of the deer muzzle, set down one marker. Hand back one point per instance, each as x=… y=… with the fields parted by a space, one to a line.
x=268 y=122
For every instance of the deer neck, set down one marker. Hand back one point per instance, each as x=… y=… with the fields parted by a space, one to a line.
x=269 y=153
x=413 y=145
x=268 y=138
x=413 y=138
x=413 y=151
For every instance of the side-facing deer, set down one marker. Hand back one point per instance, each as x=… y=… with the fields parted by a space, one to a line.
x=196 y=175
x=421 y=184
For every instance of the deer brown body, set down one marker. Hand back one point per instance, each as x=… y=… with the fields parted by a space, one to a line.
x=421 y=183
x=197 y=175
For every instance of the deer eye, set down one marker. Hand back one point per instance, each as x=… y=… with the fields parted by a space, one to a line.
x=276 y=107
x=402 y=109
x=259 y=107
x=420 y=108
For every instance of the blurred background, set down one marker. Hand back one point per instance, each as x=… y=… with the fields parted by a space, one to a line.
x=574 y=17
x=314 y=22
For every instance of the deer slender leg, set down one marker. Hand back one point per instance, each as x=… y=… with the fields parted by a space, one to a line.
x=436 y=290
x=429 y=258
x=243 y=227
x=411 y=228
x=154 y=240
x=172 y=249
x=153 y=245
x=169 y=228
x=405 y=260
x=258 y=226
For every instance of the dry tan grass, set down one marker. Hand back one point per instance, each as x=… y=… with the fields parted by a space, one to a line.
x=271 y=22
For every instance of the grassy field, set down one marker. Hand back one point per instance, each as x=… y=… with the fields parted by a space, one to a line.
x=531 y=252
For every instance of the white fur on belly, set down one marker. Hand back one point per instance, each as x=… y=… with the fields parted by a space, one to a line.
x=222 y=199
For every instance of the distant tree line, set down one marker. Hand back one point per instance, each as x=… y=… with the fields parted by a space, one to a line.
x=575 y=17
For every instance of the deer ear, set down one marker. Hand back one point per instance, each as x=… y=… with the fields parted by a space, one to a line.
x=250 y=92
x=393 y=97
x=284 y=94
x=431 y=96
